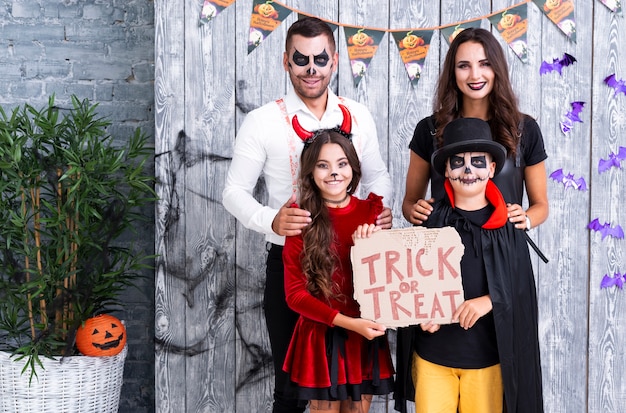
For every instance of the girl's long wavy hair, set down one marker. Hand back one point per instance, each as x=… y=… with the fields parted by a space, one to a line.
x=504 y=114
x=318 y=258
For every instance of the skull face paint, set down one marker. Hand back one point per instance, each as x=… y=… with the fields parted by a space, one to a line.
x=470 y=167
x=310 y=63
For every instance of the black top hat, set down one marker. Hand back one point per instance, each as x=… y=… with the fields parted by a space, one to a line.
x=467 y=135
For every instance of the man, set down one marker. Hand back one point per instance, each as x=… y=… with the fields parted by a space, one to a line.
x=267 y=144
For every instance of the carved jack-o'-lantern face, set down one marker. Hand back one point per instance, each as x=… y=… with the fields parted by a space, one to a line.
x=102 y=335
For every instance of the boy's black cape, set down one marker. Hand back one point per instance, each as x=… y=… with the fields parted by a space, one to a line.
x=512 y=290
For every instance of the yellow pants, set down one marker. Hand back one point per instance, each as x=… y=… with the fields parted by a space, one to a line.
x=440 y=389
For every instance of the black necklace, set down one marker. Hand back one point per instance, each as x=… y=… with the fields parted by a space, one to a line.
x=332 y=202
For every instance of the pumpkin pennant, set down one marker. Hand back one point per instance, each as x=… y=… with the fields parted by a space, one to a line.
x=561 y=13
x=413 y=46
x=212 y=8
x=266 y=16
x=512 y=24
x=362 y=46
x=614 y=5
x=450 y=32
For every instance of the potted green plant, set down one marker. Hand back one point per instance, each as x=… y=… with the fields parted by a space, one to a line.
x=71 y=197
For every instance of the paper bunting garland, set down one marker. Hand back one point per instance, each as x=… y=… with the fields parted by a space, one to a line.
x=266 y=16
x=512 y=24
x=413 y=46
x=362 y=46
x=614 y=5
x=450 y=32
x=561 y=13
x=212 y=8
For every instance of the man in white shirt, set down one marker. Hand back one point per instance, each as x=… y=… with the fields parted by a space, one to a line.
x=267 y=144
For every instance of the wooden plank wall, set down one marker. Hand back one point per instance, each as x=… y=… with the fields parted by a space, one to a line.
x=212 y=351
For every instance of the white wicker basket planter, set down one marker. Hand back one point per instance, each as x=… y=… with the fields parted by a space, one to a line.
x=79 y=384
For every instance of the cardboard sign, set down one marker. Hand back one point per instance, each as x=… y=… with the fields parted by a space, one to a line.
x=408 y=276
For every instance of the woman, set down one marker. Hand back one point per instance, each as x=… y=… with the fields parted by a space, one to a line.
x=475 y=83
x=336 y=360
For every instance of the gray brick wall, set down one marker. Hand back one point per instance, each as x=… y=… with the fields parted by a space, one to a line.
x=102 y=50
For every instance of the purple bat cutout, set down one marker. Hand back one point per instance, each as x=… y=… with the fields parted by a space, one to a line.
x=606 y=229
x=617 y=85
x=616 y=280
x=572 y=116
x=615 y=159
x=569 y=180
x=557 y=64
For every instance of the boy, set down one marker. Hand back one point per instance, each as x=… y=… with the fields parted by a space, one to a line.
x=489 y=361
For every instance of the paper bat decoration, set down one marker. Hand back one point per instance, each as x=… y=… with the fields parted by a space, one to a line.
x=617 y=85
x=572 y=116
x=557 y=64
x=615 y=159
x=606 y=229
x=616 y=280
x=569 y=180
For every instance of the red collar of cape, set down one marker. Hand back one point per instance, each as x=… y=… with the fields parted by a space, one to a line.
x=494 y=196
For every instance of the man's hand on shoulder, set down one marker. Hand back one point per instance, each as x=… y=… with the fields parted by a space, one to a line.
x=290 y=219
x=384 y=219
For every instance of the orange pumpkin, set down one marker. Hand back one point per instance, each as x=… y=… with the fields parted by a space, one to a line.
x=102 y=335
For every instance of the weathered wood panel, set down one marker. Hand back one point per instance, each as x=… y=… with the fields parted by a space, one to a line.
x=607 y=324
x=212 y=347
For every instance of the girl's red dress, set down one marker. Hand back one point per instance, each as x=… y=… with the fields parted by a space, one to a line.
x=323 y=361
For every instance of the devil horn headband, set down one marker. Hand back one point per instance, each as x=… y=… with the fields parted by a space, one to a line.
x=308 y=137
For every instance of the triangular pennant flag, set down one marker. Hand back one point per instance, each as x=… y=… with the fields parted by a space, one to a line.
x=266 y=17
x=362 y=46
x=561 y=13
x=212 y=8
x=614 y=5
x=413 y=46
x=450 y=32
x=332 y=25
x=512 y=24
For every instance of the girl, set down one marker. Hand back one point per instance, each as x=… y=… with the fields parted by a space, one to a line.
x=336 y=360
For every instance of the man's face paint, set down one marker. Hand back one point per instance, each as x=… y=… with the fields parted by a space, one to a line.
x=470 y=167
x=320 y=60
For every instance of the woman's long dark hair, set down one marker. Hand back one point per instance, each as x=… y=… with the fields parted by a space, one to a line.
x=318 y=258
x=504 y=114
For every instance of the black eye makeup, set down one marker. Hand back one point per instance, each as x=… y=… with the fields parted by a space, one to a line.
x=320 y=60
x=456 y=162
x=478 y=162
